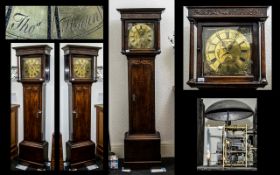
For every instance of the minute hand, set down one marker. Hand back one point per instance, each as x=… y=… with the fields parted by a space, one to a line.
x=223 y=43
x=230 y=46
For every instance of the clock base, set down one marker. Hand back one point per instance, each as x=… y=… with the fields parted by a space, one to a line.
x=33 y=154
x=80 y=154
x=142 y=150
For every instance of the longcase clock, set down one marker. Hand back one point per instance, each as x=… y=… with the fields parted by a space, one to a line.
x=34 y=72
x=80 y=72
x=141 y=44
x=230 y=47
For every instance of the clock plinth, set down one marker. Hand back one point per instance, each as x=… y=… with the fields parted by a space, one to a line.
x=142 y=150
x=80 y=73
x=34 y=154
x=80 y=153
x=34 y=72
x=141 y=44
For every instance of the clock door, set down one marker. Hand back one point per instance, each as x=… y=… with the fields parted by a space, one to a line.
x=33 y=112
x=81 y=112
x=141 y=36
x=141 y=95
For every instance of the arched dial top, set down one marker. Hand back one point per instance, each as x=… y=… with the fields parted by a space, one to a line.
x=228 y=52
x=141 y=36
x=31 y=67
x=82 y=67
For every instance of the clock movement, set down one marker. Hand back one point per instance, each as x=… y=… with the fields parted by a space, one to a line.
x=34 y=72
x=141 y=44
x=230 y=47
x=80 y=72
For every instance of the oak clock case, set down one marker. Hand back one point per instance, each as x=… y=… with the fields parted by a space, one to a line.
x=230 y=46
x=141 y=44
x=34 y=73
x=80 y=72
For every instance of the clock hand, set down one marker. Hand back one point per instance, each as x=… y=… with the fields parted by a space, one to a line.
x=231 y=44
x=223 y=43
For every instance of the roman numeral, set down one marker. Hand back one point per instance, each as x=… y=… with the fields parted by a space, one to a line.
x=244 y=51
x=213 y=60
x=241 y=42
x=211 y=51
x=242 y=59
x=227 y=34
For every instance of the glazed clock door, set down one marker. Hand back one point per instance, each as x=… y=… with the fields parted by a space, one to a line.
x=82 y=67
x=33 y=112
x=227 y=51
x=141 y=96
x=141 y=36
x=81 y=112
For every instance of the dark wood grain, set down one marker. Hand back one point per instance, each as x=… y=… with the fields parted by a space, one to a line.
x=81 y=112
x=200 y=131
x=141 y=96
x=32 y=108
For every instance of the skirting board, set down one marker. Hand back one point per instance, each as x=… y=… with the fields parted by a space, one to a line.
x=167 y=150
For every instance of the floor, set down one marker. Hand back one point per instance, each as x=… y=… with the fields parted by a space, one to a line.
x=167 y=163
x=15 y=162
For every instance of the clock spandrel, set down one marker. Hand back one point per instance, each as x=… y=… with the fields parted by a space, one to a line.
x=27 y=22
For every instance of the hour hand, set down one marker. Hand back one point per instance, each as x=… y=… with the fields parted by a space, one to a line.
x=230 y=46
x=223 y=43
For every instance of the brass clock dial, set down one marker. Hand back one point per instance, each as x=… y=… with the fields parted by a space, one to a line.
x=141 y=36
x=228 y=52
x=31 y=68
x=82 y=67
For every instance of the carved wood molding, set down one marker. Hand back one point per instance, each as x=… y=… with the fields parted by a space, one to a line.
x=140 y=61
x=227 y=11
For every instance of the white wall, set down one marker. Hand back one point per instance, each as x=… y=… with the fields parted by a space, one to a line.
x=96 y=97
x=164 y=77
x=17 y=96
x=268 y=50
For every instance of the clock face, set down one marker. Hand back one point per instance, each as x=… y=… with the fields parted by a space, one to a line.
x=227 y=51
x=81 y=67
x=141 y=36
x=31 y=68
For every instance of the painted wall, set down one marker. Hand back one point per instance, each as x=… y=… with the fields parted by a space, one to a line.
x=268 y=50
x=96 y=97
x=164 y=77
x=17 y=94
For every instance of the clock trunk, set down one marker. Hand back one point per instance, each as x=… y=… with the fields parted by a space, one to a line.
x=142 y=95
x=81 y=111
x=33 y=112
x=80 y=150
